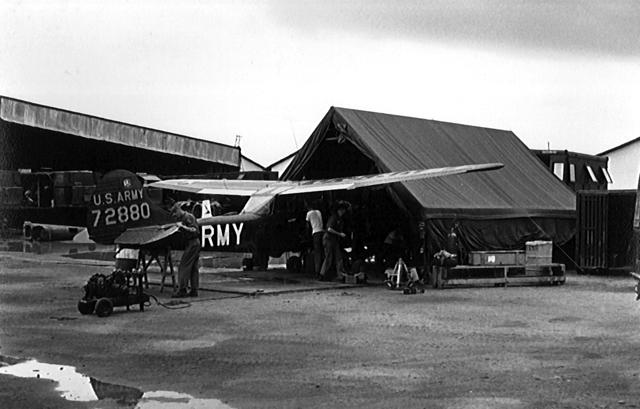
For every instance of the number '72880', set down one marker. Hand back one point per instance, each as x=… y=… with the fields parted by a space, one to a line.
x=121 y=214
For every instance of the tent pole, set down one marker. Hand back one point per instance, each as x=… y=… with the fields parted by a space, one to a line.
x=425 y=254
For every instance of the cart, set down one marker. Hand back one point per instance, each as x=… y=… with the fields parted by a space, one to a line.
x=123 y=287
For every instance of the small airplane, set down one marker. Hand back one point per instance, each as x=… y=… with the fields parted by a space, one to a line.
x=121 y=212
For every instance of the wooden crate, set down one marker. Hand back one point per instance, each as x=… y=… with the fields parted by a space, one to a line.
x=538 y=252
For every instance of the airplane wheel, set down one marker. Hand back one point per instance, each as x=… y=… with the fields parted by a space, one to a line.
x=86 y=307
x=294 y=265
x=247 y=264
x=261 y=260
x=104 y=307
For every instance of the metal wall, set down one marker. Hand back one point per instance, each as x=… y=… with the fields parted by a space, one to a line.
x=604 y=231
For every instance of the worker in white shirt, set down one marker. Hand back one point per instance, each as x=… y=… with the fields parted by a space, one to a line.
x=314 y=218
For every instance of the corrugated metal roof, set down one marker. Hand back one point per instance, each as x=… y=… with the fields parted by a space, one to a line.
x=91 y=127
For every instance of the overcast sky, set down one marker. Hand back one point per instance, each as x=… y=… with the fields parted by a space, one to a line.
x=553 y=71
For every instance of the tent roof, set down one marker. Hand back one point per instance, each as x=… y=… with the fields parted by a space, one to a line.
x=524 y=187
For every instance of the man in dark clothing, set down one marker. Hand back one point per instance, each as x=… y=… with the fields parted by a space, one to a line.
x=331 y=242
x=393 y=247
x=188 y=272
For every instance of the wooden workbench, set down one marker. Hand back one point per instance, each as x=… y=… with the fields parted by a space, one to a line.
x=498 y=275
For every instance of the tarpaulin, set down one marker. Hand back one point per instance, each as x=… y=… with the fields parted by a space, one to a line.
x=523 y=191
x=504 y=234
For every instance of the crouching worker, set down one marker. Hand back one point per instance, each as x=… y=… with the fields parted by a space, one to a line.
x=188 y=273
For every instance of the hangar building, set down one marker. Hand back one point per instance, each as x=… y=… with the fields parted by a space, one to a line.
x=35 y=136
x=50 y=159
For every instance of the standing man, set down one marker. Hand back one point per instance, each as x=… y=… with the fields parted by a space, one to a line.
x=188 y=272
x=314 y=218
x=331 y=242
x=394 y=246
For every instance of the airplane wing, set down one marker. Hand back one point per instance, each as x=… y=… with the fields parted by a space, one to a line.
x=285 y=187
x=262 y=192
x=384 y=178
x=216 y=186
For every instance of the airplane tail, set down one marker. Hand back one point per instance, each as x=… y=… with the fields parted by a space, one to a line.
x=119 y=202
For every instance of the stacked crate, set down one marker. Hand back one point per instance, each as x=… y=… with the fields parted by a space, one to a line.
x=83 y=184
x=61 y=189
x=11 y=191
x=72 y=188
x=537 y=253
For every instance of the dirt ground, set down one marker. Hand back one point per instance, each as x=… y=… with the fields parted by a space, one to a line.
x=571 y=346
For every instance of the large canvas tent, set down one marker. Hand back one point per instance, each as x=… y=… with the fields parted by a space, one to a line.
x=495 y=210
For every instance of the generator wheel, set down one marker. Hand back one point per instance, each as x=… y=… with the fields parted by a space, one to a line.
x=86 y=307
x=104 y=307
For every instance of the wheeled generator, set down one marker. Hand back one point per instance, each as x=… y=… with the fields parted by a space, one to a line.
x=123 y=287
x=104 y=292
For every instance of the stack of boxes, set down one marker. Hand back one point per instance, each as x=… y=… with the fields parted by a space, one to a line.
x=72 y=188
x=536 y=253
x=11 y=192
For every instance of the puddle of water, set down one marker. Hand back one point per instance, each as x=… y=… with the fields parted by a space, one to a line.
x=74 y=386
x=170 y=400
x=71 y=385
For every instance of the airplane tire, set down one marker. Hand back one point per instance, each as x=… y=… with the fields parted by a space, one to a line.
x=247 y=264
x=294 y=265
x=260 y=260
x=104 y=307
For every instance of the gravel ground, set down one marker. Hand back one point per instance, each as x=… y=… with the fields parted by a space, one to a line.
x=571 y=346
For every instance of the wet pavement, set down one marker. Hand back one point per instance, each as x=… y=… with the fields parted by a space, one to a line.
x=216 y=283
x=572 y=346
x=219 y=272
